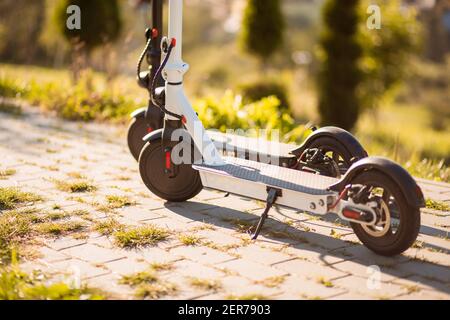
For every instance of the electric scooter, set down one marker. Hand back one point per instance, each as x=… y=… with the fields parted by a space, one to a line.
x=319 y=153
x=379 y=199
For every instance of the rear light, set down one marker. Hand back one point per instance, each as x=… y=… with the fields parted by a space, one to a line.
x=351 y=214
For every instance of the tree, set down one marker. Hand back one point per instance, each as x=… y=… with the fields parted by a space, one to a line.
x=262 y=28
x=100 y=22
x=340 y=75
x=389 y=51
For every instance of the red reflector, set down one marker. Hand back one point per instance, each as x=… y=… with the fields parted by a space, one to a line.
x=173 y=43
x=149 y=130
x=168 y=160
x=351 y=214
x=155 y=33
x=183 y=119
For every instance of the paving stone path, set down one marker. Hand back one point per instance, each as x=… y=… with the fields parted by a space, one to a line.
x=298 y=256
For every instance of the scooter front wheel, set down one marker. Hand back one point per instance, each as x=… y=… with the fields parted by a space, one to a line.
x=182 y=184
x=398 y=222
x=136 y=132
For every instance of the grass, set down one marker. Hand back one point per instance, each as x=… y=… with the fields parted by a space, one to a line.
x=140 y=278
x=205 y=284
x=58 y=229
x=272 y=282
x=148 y=285
x=161 y=266
x=249 y=296
x=15 y=229
x=189 y=239
x=76 y=186
x=76 y=175
x=108 y=227
x=116 y=202
x=437 y=205
x=4 y=174
x=156 y=290
x=17 y=285
x=325 y=282
x=10 y=198
x=136 y=237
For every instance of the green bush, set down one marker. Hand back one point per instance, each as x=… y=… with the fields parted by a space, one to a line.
x=230 y=112
x=388 y=52
x=81 y=102
x=255 y=91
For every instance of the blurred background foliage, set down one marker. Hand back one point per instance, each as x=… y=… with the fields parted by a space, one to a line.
x=401 y=94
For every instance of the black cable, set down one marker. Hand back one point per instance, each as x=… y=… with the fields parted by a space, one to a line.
x=141 y=59
x=155 y=79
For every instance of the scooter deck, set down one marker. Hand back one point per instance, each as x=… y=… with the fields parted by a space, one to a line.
x=252 y=148
x=301 y=190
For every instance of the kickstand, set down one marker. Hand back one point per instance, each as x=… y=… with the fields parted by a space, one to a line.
x=272 y=196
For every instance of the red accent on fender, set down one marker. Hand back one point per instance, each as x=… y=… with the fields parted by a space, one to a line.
x=149 y=130
x=168 y=160
x=183 y=119
x=155 y=33
x=173 y=42
x=351 y=214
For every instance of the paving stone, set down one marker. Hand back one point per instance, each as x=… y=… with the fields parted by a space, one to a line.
x=109 y=283
x=425 y=284
x=157 y=255
x=64 y=243
x=295 y=287
x=365 y=270
x=78 y=269
x=368 y=287
x=94 y=254
x=49 y=255
x=201 y=254
x=425 y=269
x=309 y=270
x=255 y=253
x=126 y=266
x=316 y=254
x=251 y=270
x=138 y=213
x=197 y=270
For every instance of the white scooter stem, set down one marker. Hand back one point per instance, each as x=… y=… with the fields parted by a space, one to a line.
x=176 y=100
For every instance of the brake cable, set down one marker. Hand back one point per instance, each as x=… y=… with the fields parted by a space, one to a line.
x=155 y=79
x=141 y=58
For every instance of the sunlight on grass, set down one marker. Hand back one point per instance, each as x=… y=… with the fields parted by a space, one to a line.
x=135 y=237
x=12 y=197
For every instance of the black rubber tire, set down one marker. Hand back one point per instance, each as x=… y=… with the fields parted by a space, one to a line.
x=136 y=131
x=347 y=152
x=390 y=244
x=186 y=185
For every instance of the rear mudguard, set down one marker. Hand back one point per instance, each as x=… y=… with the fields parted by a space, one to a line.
x=400 y=176
x=138 y=113
x=345 y=137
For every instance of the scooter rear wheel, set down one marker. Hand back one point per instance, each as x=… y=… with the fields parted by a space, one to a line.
x=399 y=222
x=136 y=132
x=183 y=186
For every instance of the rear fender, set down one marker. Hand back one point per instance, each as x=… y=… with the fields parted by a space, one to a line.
x=344 y=137
x=412 y=192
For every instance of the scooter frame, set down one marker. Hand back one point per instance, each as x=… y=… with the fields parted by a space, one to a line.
x=277 y=185
x=178 y=103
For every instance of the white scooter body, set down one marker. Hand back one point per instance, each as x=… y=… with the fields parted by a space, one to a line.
x=296 y=189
